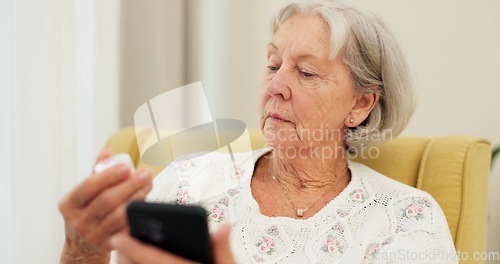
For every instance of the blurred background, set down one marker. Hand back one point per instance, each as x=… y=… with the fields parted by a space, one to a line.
x=72 y=72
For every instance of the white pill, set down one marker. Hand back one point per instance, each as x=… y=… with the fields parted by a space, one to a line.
x=122 y=158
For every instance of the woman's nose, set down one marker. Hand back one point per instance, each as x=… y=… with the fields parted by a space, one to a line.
x=280 y=84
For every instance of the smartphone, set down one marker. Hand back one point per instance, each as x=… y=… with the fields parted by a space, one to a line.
x=178 y=229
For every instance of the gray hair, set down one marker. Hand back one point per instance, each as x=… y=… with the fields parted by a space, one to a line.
x=375 y=60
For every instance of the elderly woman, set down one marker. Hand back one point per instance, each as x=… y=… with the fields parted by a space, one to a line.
x=330 y=69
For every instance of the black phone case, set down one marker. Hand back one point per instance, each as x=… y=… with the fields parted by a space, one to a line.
x=179 y=229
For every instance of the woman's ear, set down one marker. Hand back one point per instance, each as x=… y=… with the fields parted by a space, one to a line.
x=361 y=109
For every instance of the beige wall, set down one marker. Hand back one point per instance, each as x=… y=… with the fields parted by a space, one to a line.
x=152 y=52
x=452 y=48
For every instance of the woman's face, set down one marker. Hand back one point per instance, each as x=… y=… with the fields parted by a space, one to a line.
x=306 y=98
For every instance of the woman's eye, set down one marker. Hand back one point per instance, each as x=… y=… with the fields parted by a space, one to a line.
x=307 y=74
x=273 y=68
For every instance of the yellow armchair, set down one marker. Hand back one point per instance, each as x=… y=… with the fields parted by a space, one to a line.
x=453 y=169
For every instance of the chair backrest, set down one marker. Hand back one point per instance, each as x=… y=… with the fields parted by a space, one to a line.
x=453 y=169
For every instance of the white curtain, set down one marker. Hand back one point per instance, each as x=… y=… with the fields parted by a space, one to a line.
x=58 y=104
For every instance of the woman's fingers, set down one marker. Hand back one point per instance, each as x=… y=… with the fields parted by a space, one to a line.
x=95 y=209
x=222 y=246
x=93 y=185
x=131 y=250
x=116 y=221
x=105 y=214
x=111 y=198
x=112 y=224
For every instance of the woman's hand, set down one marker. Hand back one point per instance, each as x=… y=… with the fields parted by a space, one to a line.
x=95 y=210
x=132 y=251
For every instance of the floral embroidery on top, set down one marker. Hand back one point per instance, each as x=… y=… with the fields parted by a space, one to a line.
x=342 y=212
x=332 y=245
x=358 y=195
x=373 y=249
x=184 y=184
x=338 y=226
x=232 y=192
x=273 y=230
x=258 y=258
x=184 y=164
x=388 y=240
x=236 y=172
x=266 y=245
x=425 y=202
x=224 y=201
x=216 y=215
x=183 y=196
x=414 y=210
x=400 y=229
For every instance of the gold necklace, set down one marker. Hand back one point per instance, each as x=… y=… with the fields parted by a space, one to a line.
x=299 y=211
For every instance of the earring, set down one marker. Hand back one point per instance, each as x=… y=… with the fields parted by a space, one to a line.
x=351 y=120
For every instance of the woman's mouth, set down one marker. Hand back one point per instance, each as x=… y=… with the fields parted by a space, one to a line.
x=276 y=117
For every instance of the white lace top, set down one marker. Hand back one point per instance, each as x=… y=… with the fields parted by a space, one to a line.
x=373 y=220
